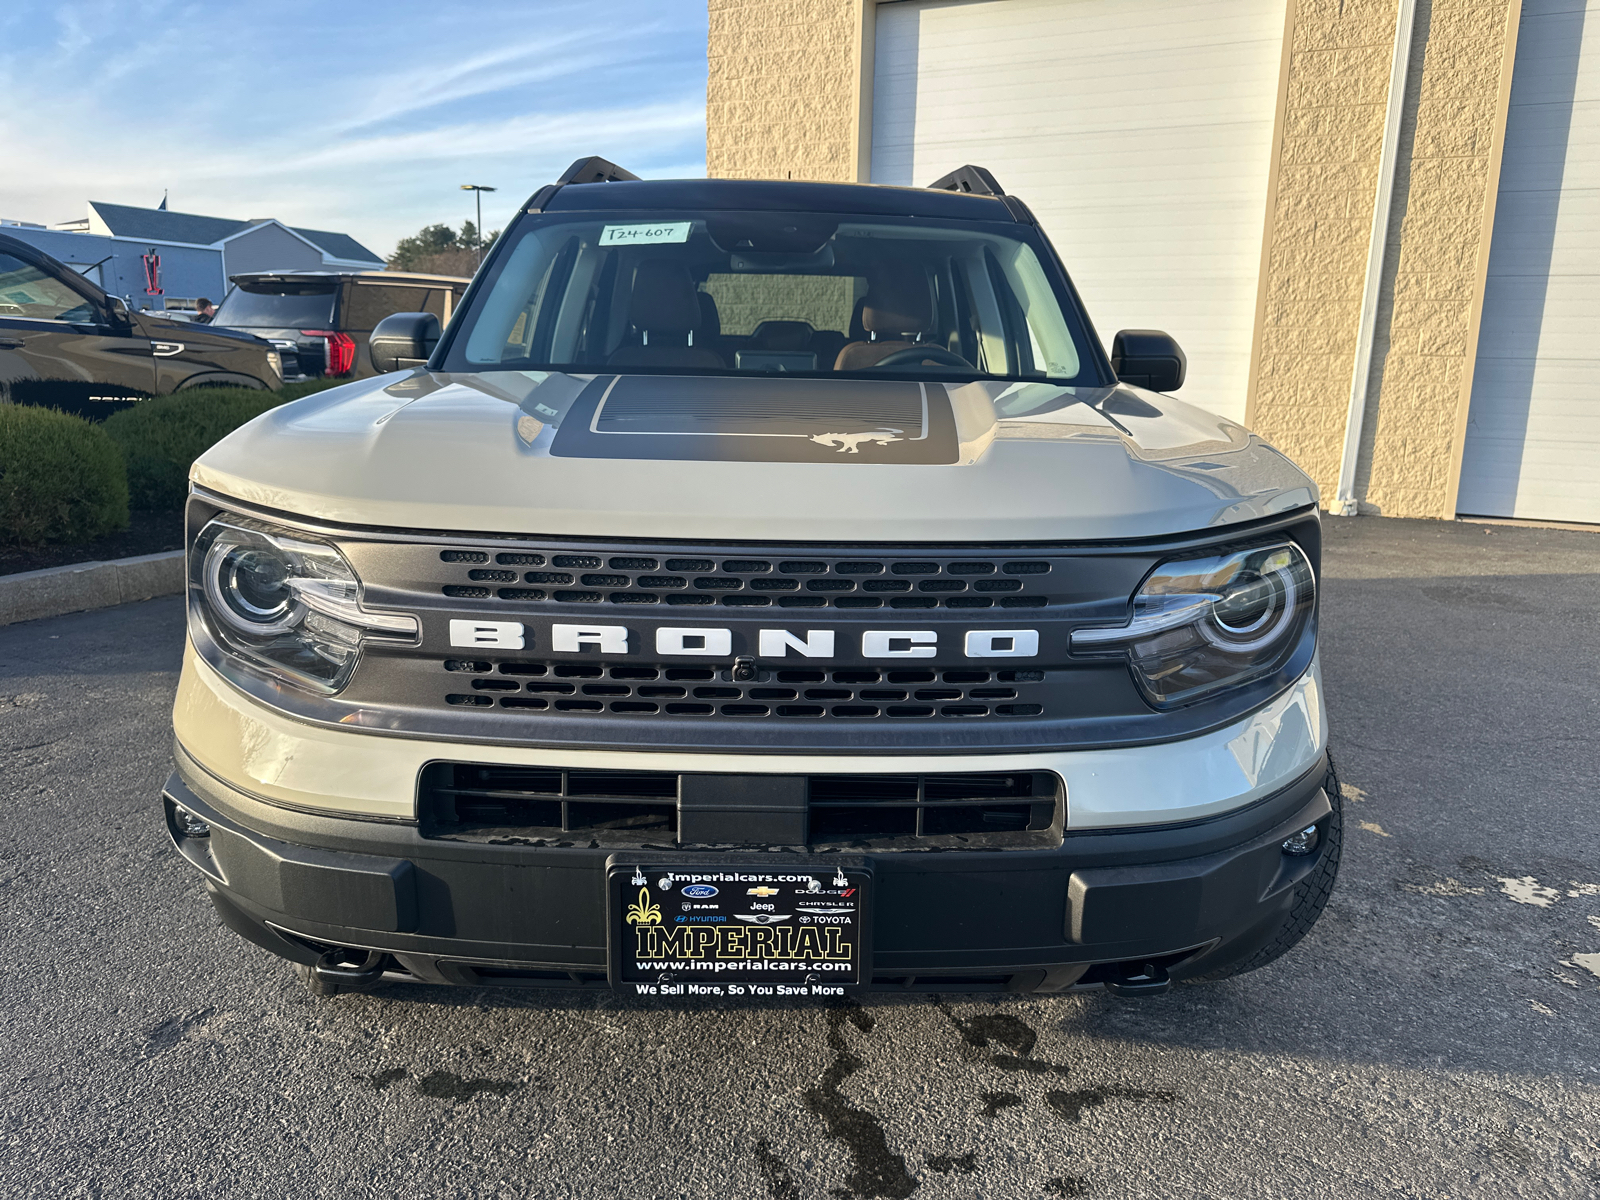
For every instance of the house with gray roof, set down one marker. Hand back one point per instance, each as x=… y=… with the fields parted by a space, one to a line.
x=156 y=259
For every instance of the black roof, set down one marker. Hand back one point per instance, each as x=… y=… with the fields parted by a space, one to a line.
x=777 y=196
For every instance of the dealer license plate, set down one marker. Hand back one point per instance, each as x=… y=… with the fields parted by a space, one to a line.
x=728 y=930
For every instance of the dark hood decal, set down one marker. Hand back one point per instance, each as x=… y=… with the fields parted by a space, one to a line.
x=713 y=419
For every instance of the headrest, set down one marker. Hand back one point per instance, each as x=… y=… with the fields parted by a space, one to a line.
x=782 y=335
x=710 y=318
x=897 y=301
x=664 y=298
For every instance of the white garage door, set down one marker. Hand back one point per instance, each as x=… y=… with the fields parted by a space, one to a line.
x=1533 y=436
x=1138 y=131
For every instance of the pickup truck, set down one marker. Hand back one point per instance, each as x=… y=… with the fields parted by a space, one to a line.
x=64 y=342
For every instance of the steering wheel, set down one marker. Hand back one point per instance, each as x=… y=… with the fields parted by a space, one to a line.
x=918 y=354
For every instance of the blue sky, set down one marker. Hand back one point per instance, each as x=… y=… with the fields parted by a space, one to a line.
x=350 y=115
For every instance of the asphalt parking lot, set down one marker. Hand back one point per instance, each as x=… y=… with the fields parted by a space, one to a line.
x=1438 y=1034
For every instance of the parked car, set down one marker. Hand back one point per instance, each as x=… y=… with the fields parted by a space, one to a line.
x=64 y=341
x=321 y=320
x=759 y=588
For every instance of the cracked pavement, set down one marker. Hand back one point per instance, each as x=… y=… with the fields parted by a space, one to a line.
x=1437 y=1035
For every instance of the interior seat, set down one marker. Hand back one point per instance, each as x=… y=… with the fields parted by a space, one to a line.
x=827 y=343
x=897 y=310
x=709 y=334
x=665 y=313
x=791 y=336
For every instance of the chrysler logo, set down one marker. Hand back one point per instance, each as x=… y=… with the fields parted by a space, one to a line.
x=708 y=641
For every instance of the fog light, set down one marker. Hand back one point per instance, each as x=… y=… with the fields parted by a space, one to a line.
x=192 y=826
x=1301 y=843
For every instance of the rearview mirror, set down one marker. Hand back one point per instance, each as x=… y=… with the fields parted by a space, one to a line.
x=403 y=340
x=1148 y=358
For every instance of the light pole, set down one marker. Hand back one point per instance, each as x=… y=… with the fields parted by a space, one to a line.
x=480 y=190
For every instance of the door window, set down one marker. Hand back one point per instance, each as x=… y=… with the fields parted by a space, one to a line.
x=28 y=292
x=371 y=303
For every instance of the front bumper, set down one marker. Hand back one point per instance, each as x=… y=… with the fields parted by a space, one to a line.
x=1190 y=897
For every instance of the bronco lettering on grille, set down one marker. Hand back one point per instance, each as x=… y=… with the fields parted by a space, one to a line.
x=717 y=642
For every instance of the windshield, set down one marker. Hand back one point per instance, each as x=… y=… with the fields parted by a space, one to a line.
x=26 y=291
x=278 y=306
x=771 y=292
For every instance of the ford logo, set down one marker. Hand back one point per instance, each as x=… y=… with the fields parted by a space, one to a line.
x=699 y=891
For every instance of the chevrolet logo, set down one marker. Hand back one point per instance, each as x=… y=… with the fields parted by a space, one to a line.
x=761 y=891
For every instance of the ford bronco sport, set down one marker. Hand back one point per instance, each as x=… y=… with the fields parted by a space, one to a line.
x=758 y=588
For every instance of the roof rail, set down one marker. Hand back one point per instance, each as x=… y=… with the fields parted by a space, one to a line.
x=969 y=178
x=594 y=170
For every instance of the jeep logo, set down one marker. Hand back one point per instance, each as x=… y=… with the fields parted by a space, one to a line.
x=705 y=641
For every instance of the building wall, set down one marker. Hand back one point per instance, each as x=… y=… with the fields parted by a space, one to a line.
x=186 y=271
x=783 y=88
x=269 y=248
x=1444 y=217
x=1335 y=94
x=1319 y=218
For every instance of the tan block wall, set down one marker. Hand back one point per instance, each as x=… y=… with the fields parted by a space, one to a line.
x=1445 y=190
x=1317 y=243
x=782 y=89
x=1319 y=227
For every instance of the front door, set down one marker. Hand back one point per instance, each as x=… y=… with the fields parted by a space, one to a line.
x=63 y=347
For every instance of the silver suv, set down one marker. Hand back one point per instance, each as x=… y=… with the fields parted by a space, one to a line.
x=757 y=589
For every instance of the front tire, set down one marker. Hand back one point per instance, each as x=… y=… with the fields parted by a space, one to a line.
x=1310 y=894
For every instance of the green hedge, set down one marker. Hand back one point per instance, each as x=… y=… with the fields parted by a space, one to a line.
x=61 y=478
x=161 y=438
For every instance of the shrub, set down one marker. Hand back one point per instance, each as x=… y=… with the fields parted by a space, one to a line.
x=61 y=478
x=161 y=438
x=81 y=398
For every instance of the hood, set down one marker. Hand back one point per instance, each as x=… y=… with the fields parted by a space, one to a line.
x=155 y=325
x=757 y=458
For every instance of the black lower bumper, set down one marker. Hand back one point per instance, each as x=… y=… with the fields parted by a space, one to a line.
x=1188 y=899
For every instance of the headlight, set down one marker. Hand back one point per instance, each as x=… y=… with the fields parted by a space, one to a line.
x=1203 y=624
x=275 y=361
x=286 y=603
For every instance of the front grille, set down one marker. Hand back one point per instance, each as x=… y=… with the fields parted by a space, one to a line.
x=547 y=800
x=700 y=581
x=548 y=804
x=851 y=808
x=709 y=690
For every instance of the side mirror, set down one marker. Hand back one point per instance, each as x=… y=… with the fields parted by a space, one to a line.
x=402 y=340
x=1148 y=358
x=117 y=311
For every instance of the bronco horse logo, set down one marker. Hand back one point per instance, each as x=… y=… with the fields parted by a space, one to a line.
x=850 y=443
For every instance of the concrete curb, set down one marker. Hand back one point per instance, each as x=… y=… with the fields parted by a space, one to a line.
x=79 y=587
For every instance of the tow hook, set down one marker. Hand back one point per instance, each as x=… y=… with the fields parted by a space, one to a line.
x=332 y=969
x=1138 y=979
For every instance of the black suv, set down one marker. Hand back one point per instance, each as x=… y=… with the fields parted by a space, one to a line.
x=63 y=341
x=320 y=320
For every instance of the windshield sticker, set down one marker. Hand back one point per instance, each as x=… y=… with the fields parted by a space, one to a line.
x=645 y=235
